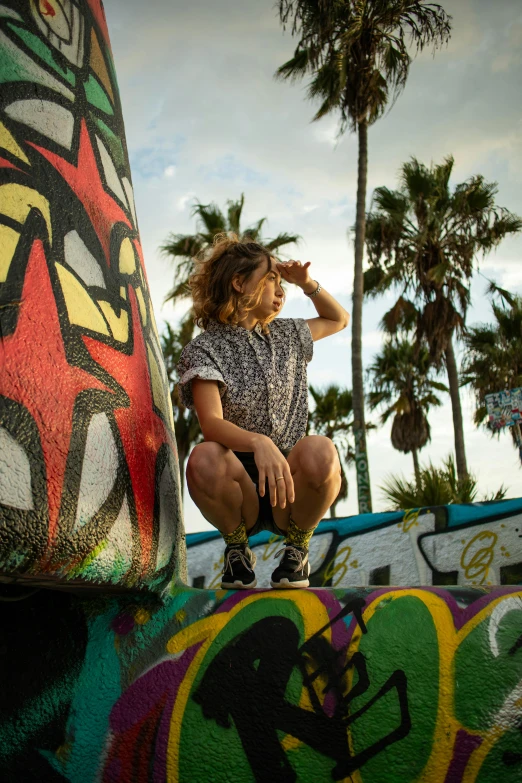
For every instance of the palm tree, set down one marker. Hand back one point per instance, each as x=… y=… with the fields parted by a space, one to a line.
x=434 y=487
x=333 y=417
x=423 y=240
x=493 y=358
x=187 y=428
x=402 y=382
x=182 y=248
x=357 y=54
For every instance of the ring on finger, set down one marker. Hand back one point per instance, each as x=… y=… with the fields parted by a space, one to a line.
x=280 y=478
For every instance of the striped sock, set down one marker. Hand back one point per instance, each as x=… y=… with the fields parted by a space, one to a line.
x=238 y=536
x=298 y=537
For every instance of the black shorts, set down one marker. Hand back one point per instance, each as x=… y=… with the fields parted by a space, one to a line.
x=265 y=518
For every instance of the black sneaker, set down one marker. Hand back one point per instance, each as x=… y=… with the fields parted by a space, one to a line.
x=238 y=571
x=294 y=568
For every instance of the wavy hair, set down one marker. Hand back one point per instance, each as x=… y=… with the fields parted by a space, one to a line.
x=213 y=294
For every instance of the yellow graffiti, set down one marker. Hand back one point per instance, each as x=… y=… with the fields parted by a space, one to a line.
x=8 y=142
x=142 y=616
x=119 y=325
x=477 y=556
x=218 y=566
x=271 y=546
x=449 y=640
x=339 y=566
x=127 y=257
x=410 y=519
x=8 y=242
x=314 y=616
x=81 y=309
x=142 y=305
x=16 y=201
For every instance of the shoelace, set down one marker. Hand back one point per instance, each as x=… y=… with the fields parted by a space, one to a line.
x=237 y=554
x=294 y=554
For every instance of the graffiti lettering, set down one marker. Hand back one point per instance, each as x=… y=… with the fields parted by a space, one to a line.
x=262 y=660
x=477 y=556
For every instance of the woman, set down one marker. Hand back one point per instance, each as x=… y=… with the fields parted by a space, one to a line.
x=245 y=375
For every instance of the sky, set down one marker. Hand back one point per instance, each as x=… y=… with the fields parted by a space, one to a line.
x=206 y=120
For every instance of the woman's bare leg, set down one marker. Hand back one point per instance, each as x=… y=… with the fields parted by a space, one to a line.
x=316 y=471
x=221 y=488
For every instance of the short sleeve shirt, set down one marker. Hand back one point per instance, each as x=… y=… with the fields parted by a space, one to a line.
x=262 y=378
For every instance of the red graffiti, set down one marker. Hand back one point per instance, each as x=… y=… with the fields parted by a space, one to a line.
x=46 y=8
x=85 y=181
x=36 y=372
x=142 y=431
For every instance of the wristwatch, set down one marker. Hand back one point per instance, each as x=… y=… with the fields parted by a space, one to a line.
x=314 y=293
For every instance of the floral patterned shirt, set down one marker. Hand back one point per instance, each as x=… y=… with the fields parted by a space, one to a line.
x=262 y=378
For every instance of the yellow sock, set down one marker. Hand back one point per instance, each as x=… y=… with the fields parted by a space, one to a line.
x=238 y=536
x=298 y=537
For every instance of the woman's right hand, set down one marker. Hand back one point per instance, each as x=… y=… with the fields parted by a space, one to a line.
x=272 y=465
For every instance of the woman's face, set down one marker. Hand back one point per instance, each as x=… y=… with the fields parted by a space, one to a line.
x=273 y=295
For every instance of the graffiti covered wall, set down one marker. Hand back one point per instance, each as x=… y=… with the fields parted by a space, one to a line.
x=476 y=544
x=389 y=685
x=88 y=467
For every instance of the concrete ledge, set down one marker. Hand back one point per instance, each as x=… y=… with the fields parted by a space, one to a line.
x=380 y=684
x=470 y=544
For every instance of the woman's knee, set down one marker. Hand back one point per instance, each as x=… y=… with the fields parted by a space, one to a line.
x=206 y=463
x=318 y=459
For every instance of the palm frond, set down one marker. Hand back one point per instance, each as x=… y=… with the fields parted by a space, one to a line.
x=234 y=214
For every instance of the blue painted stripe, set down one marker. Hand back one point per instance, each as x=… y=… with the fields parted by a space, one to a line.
x=476 y=512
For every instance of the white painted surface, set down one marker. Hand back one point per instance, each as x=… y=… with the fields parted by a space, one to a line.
x=99 y=469
x=79 y=258
x=15 y=474
x=48 y=118
x=111 y=175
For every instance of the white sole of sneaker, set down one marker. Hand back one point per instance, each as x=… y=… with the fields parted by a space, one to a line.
x=237 y=585
x=285 y=584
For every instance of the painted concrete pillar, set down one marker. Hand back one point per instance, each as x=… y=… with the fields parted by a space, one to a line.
x=88 y=470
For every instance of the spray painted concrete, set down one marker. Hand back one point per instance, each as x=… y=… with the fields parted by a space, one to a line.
x=368 y=684
x=476 y=544
x=386 y=685
x=88 y=467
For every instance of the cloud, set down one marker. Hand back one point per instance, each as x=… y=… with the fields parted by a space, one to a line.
x=184 y=200
x=199 y=100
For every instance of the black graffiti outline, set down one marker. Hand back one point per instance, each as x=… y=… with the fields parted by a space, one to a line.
x=246 y=684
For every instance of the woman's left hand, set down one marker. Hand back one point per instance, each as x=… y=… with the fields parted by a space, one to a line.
x=295 y=272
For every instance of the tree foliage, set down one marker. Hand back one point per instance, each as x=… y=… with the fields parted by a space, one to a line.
x=435 y=487
x=333 y=417
x=188 y=431
x=358 y=52
x=493 y=358
x=210 y=221
x=423 y=241
x=402 y=384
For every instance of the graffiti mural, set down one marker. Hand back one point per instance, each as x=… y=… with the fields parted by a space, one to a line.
x=88 y=467
x=400 y=685
x=476 y=544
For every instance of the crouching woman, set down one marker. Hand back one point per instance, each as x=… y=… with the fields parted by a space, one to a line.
x=245 y=376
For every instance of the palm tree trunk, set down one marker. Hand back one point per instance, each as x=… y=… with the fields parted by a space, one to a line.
x=359 y=429
x=453 y=381
x=416 y=466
